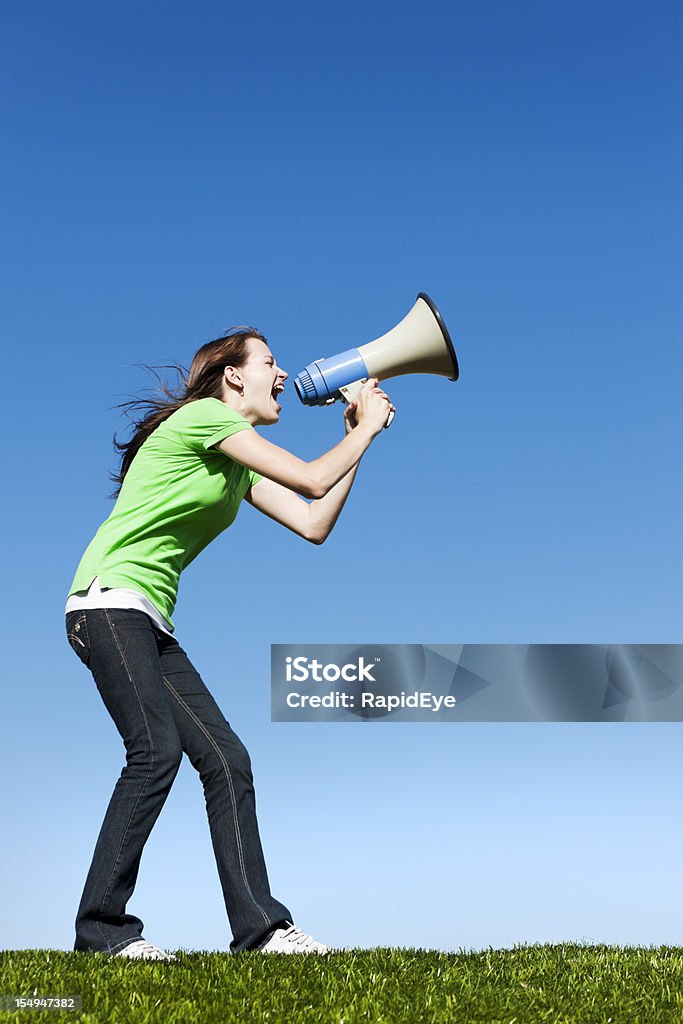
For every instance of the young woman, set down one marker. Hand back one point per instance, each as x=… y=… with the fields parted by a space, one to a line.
x=190 y=462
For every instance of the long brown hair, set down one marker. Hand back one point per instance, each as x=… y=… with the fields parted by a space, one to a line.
x=203 y=380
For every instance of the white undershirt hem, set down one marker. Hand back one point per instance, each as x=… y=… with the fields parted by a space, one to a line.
x=116 y=597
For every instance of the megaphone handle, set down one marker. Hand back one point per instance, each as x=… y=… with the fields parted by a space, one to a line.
x=350 y=392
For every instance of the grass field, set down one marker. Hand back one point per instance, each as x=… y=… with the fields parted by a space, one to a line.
x=554 y=984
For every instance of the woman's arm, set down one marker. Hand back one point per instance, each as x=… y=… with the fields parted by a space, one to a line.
x=317 y=478
x=312 y=521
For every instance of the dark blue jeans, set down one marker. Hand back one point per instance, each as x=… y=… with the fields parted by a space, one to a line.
x=161 y=709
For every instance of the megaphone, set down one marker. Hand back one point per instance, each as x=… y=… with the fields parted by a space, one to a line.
x=420 y=343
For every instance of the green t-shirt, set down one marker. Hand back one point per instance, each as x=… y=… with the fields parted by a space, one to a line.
x=177 y=496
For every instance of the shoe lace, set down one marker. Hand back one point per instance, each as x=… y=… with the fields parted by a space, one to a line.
x=150 y=952
x=299 y=938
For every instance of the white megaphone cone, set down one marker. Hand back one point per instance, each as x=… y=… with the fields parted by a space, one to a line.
x=420 y=343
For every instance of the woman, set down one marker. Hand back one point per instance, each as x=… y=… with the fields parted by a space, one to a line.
x=190 y=462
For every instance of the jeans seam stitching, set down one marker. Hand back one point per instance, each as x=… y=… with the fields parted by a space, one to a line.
x=85 y=629
x=73 y=636
x=149 y=774
x=226 y=768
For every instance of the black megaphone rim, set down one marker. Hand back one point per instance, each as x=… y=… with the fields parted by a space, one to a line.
x=444 y=331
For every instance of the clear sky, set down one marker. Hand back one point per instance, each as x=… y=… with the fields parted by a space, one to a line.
x=173 y=169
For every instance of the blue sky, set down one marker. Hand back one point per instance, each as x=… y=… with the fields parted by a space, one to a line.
x=175 y=169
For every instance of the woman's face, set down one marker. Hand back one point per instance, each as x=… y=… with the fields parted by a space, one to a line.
x=263 y=380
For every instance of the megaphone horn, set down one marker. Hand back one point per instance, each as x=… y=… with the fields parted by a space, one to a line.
x=420 y=343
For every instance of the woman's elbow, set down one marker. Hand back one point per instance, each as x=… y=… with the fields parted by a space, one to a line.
x=316 y=533
x=312 y=483
x=314 y=489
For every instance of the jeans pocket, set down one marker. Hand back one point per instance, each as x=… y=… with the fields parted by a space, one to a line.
x=77 y=634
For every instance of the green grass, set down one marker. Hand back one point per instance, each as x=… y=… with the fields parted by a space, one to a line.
x=564 y=984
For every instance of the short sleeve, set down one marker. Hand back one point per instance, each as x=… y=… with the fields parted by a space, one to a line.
x=207 y=421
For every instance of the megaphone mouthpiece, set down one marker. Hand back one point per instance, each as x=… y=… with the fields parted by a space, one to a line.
x=321 y=380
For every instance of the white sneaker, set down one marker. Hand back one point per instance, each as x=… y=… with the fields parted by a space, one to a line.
x=292 y=940
x=143 y=950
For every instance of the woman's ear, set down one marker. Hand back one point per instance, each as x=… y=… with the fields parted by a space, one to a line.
x=232 y=375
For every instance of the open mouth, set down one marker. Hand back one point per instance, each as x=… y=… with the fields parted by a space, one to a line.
x=277 y=390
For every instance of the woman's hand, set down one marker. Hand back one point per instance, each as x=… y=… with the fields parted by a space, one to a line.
x=314 y=480
x=350 y=418
x=371 y=408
